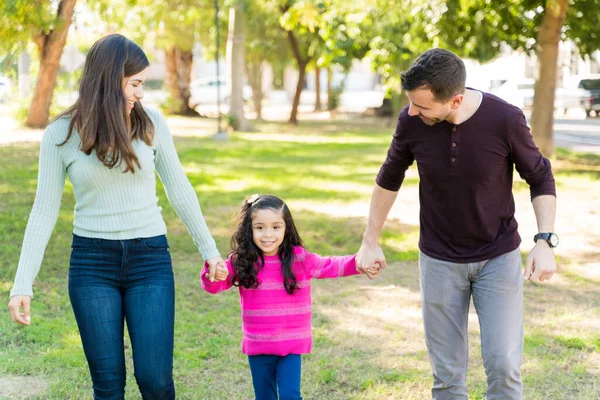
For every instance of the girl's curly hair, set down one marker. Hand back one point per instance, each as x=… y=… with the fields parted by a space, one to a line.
x=247 y=259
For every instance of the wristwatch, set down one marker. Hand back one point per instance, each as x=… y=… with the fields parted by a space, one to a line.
x=550 y=237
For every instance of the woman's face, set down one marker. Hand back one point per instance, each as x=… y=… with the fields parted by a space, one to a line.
x=133 y=88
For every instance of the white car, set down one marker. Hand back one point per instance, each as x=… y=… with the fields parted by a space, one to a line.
x=517 y=93
x=520 y=93
x=204 y=91
x=4 y=89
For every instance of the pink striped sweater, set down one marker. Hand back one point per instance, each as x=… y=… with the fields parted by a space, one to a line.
x=273 y=321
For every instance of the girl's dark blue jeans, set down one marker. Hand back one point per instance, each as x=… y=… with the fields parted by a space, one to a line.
x=117 y=281
x=276 y=377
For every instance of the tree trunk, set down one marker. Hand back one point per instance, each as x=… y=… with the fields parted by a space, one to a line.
x=542 y=115
x=302 y=63
x=329 y=90
x=236 y=41
x=254 y=70
x=178 y=63
x=299 y=86
x=50 y=46
x=318 y=88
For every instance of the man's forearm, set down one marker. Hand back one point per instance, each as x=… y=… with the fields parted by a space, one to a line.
x=545 y=212
x=382 y=201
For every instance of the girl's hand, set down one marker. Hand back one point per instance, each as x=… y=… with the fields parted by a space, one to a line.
x=372 y=271
x=213 y=263
x=15 y=304
x=222 y=272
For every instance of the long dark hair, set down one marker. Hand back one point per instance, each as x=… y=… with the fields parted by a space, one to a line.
x=245 y=255
x=438 y=70
x=99 y=115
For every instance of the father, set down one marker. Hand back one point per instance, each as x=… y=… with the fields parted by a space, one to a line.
x=465 y=143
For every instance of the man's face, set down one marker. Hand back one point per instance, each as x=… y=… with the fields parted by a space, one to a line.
x=431 y=111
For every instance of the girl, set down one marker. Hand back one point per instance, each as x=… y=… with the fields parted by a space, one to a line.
x=110 y=146
x=273 y=272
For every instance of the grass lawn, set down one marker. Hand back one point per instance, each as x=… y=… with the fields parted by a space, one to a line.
x=368 y=335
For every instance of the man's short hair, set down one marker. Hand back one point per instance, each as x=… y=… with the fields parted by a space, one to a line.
x=438 y=70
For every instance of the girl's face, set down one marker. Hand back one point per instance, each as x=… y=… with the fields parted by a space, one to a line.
x=268 y=230
x=133 y=88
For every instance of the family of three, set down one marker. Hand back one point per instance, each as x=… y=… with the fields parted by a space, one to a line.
x=465 y=143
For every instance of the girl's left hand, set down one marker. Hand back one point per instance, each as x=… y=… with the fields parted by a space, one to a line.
x=213 y=264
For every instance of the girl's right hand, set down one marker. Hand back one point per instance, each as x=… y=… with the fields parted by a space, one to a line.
x=222 y=272
x=212 y=264
x=15 y=304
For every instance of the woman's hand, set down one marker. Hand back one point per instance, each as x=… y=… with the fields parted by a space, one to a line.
x=216 y=269
x=15 y=304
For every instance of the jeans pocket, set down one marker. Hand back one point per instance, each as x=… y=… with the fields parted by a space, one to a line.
x=155 y=243
x=82 y=243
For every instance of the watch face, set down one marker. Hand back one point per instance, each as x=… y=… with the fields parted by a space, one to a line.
x=554 y=239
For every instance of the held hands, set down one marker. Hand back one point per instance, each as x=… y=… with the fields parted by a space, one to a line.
x=541 y=263
x=217 y=271
x=15 y=304
x=372 y=271
x=370 y=260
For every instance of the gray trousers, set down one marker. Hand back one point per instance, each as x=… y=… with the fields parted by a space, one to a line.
x=497 y=289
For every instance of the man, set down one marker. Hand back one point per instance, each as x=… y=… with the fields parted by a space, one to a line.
x=465 y=143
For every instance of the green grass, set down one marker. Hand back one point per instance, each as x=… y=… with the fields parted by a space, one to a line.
x=368 y=339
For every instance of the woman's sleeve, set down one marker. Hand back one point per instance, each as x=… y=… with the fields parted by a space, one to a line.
x=180 y=192
x=44 y=213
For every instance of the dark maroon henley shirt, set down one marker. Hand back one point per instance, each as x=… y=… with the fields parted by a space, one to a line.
x=466 y=175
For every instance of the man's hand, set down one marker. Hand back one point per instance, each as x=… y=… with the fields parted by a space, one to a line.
x=213 y=264
x=370 y=260
x=15 y=304
x=541 y=263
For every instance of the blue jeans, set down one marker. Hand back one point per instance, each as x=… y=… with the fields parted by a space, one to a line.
x=271 y=374
x=112 y=281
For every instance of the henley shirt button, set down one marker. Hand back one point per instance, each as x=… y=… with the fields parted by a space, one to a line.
x=453 y=159
x=453 y=144
x=454 y=129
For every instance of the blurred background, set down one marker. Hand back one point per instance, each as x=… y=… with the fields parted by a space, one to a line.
x=307 y=93
x=270 y=58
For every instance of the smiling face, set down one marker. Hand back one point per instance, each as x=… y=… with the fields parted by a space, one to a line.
x=424 y=105
x=268 y=230
x=133 y=88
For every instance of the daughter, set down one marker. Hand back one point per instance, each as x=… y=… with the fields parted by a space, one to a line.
x=273 y=272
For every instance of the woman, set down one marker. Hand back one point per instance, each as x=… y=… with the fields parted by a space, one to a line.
x=120 y=267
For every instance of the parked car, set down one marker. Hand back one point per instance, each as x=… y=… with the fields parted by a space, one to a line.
x=591 y=98
x=4 y=89
x=520 y=93
x=204 y=91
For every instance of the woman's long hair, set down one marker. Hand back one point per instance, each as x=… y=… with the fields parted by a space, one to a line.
x=99 y=115
x=246 y=255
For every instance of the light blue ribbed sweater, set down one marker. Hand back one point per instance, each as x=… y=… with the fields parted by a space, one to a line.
x=110 y=204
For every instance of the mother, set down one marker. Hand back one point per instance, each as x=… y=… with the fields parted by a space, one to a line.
x=120 y=267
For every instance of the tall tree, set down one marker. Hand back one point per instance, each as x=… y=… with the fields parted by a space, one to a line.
x=47 y=25
x=395 y=38
x=341 y=31
x=265 y=44
x=478 y=28
x=547 y=40
x=300 y=20
x=176 y=25
x=236 y=42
